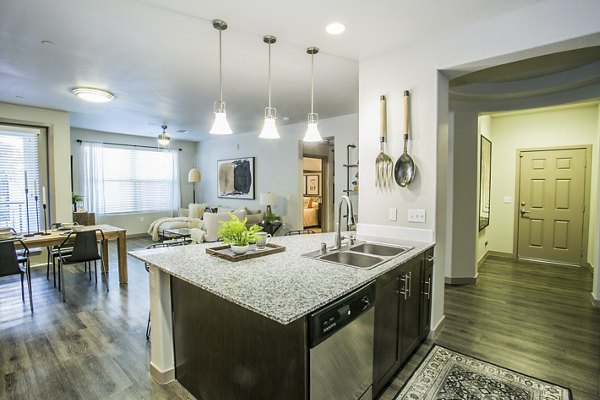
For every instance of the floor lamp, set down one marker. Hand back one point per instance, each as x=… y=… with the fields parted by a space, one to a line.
x=194 y=177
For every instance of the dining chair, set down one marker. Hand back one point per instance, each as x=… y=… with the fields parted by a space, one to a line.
x=84 y=249
x=167 y=243
x=12 y=263
x=52 y=252
x=299 y=232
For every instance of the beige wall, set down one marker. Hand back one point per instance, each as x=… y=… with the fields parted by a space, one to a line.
x=59 y=149
x=541 y=128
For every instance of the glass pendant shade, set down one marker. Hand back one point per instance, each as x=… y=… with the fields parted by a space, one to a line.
x=269 y=130
x=312 y=131
x=221 y=126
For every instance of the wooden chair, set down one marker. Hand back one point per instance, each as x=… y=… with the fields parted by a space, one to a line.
x=84 y=250
x=12 y=263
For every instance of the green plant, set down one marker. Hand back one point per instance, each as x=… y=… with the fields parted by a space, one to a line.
x=235 y=231
x=269 y=219
x=76 y=197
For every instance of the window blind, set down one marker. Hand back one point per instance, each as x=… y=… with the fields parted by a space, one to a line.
x=119 y=180
x=19 y=153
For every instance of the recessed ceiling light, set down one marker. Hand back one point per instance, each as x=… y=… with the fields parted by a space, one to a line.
x=94 y=95
x=335 y=28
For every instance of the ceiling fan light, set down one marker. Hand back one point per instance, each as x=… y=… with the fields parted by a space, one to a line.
x=164 y=139
x=93 y=95
x=221 y=126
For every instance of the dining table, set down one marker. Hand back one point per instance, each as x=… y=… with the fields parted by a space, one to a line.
x=56 y=237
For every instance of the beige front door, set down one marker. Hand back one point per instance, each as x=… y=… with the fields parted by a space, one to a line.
x=551 y=205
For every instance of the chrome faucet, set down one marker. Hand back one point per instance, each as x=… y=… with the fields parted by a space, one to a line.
x=338 y=236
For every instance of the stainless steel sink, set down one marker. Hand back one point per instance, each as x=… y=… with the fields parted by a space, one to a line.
x=379 y=249
x=365 y=255
x=353 y=259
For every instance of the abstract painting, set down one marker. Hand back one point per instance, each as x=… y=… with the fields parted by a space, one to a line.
x=236 y=178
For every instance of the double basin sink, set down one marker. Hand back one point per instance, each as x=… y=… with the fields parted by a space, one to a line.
x=365 y=255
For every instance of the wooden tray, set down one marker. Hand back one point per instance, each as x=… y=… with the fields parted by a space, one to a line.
x=226 y=252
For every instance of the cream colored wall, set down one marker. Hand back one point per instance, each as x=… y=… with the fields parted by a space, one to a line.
x=59 y=149
x=537 y=129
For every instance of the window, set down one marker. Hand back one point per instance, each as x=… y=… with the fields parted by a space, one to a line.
x=120 y=179
x=19 y=156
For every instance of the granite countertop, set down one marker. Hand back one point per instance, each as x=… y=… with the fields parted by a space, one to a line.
x=283 y=286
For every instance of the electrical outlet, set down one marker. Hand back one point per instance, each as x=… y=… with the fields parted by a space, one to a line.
x=416 y=216
x=142 y=219
x=392 y=214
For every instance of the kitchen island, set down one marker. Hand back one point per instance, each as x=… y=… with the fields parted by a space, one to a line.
x=245 y=320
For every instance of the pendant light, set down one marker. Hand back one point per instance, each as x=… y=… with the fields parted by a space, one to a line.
x=220 y=126
x=269 y=130
x=164 y=139
x=312 y=131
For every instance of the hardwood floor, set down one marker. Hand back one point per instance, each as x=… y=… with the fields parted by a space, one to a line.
x=91 y=347
x=531 y=318
x=534 y=319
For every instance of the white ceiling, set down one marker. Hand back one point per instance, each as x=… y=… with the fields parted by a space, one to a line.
x=160 y=58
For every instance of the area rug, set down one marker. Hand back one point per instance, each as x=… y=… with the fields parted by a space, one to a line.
x=445 y=374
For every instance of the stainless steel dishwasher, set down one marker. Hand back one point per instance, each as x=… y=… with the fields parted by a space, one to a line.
x=341 y=347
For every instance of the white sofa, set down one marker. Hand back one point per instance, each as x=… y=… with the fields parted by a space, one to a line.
x=204 y=225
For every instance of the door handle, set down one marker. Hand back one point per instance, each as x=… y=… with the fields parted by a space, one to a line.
x=523 y=212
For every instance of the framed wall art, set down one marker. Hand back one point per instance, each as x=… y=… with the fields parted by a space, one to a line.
x=485 y=182
x=312 y=185
x=236 y=178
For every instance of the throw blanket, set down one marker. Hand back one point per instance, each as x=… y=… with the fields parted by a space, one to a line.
x=155 y=226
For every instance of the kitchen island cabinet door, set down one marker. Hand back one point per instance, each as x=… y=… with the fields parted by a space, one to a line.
x=386 y=354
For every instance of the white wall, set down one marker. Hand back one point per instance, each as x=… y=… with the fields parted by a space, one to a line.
x=134 y=223
x=541 y=128
x=278 y=165
x=57 y=123
x=536 y=30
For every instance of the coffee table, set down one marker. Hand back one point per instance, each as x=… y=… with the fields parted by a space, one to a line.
x=177 y=233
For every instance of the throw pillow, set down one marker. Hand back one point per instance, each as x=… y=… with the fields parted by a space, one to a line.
x=196 y=210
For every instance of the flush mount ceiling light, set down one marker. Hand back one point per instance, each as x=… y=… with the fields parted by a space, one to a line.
x=164 y=139
x=220 y=126
x=335 y=28
x=94 y=95
x=312 y=131
x=269 y=130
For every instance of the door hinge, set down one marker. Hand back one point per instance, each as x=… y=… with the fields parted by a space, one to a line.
x=581 y=253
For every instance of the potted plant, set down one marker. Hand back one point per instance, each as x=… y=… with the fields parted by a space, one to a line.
x=271 y=218
x=235 y=233
x=76 y=198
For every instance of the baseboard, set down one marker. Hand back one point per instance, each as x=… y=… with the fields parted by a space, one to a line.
x=162 y=377
x=460 y=281
x=435 y=331
x=499 y=254
x=589 y=267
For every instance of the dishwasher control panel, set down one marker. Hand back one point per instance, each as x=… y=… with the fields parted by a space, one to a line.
x=333 y=317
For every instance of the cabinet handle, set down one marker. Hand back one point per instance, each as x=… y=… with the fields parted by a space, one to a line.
x=405 y=289
x=429 y=258
x=427 y=293
x=409 y=283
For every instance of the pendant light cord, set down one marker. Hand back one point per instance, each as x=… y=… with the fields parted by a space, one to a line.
x=269 y=75
x=312 y=81
x=220 y=66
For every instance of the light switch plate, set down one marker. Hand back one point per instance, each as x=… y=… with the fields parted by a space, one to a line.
x=392 y=214
x=507 y=199
x=415 y=215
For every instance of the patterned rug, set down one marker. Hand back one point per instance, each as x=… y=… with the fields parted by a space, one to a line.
x=445 y=374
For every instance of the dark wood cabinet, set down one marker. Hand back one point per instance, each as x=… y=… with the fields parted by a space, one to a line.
x=386 y=351
x=410 y=304
x=426 y=290
x=402 y=315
